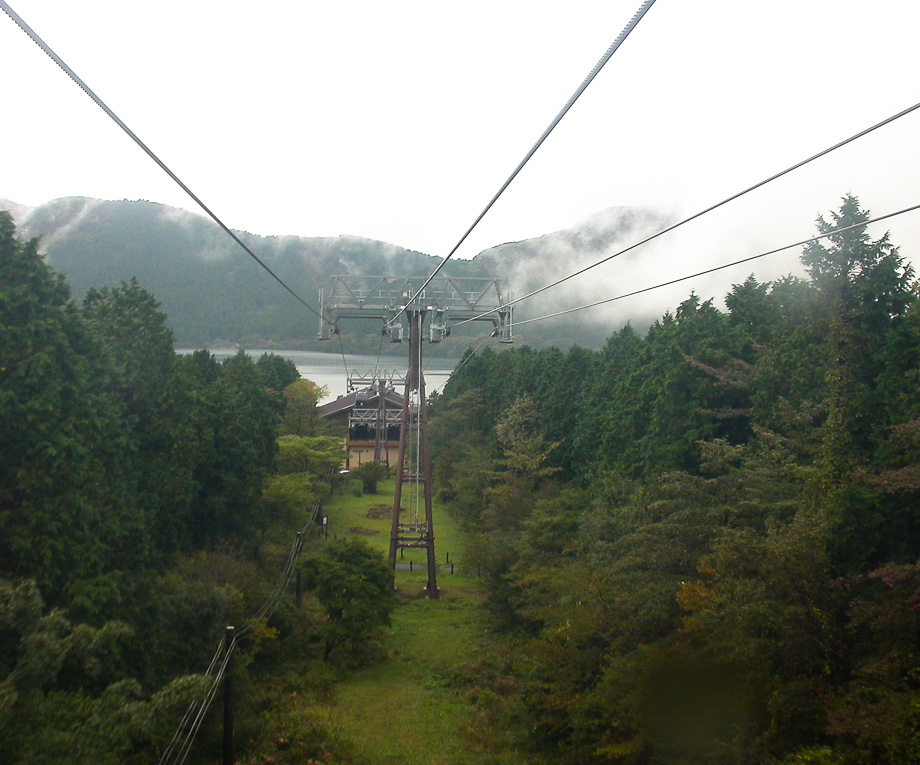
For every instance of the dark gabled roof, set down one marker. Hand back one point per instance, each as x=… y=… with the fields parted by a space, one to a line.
x=347 y=402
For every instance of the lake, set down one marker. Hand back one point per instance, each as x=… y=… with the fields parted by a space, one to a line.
x=329 y=370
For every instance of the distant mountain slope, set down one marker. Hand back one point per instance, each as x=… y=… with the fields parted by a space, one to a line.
x=214 y=293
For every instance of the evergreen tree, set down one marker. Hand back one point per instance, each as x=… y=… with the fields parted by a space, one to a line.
x=65 y=509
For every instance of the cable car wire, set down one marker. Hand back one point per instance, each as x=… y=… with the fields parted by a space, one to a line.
x=717 y=268
x=637 y=17
x=86 y=89
x=463 y=363
x=709 y=209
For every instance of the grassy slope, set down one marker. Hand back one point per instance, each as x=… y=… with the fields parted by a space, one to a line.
x=410 y=709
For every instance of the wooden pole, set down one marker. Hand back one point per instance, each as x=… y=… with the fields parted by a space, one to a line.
x=297 y=588
x=228 y=699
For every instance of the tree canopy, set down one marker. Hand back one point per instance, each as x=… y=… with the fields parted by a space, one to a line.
x=714 y=558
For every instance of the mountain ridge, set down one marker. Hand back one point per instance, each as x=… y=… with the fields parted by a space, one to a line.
x=213 y=294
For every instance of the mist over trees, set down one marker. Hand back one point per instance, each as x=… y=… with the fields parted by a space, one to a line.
x=213 y=294
x=703 y=540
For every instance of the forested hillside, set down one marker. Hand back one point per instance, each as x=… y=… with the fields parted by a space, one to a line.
x=137 y=487
x=214 y=294
x=703 y=540
x=698 y=544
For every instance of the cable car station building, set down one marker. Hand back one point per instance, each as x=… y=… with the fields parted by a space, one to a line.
x=370 y=418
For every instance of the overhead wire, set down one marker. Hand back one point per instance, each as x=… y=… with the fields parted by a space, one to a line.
x=718 y=268
x=199 y=719
x=180 y=731
x=89 y=92
x=264 y=612
x=637 y=17
x=464 y=362
x=699 y=214
x=342 y=349
x=379 y=352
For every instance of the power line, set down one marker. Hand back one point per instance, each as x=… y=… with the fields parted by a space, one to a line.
x=719 y=268
x=725 y=201
x=86 y=89
x=199 y=719
x=265 y=612
x=556 y=120
x=181 y=730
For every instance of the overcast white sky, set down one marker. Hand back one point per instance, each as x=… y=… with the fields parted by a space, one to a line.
x=399 y=121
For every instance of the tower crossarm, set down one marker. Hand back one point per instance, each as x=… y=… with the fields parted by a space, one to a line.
x=447 y=300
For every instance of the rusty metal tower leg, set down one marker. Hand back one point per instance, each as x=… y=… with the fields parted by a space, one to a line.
x=380 y=431
x=432 y=587
x=400 y=472
x=408 y=534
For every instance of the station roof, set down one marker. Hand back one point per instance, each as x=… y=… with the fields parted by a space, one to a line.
x=369 y=400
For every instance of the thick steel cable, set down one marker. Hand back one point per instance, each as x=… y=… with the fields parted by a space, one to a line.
x=342 y=349
x=86 y=89
x=464 y=362
x=725 y=201
x=556 y=120
x=719 y=268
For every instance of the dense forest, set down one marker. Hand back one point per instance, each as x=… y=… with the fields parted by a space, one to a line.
x=137 y=487
x=702 y=543
x=698 y=544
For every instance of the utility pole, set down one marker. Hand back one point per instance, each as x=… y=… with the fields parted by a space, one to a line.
x=228 y=699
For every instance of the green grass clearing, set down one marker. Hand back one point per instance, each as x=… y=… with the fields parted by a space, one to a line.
x=409 y=708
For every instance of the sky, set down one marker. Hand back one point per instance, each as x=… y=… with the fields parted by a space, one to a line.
x=399 y=121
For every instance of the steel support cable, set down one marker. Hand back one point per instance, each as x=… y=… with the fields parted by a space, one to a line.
x=719 y=268
x=342 y=349
x=556 y=120
x=465 y=361
x=725 y=201
x=88 y=91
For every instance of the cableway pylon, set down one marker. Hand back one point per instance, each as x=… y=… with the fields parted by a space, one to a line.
x=403 y=313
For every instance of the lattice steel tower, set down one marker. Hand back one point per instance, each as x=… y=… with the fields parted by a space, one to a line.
x=445 y=300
